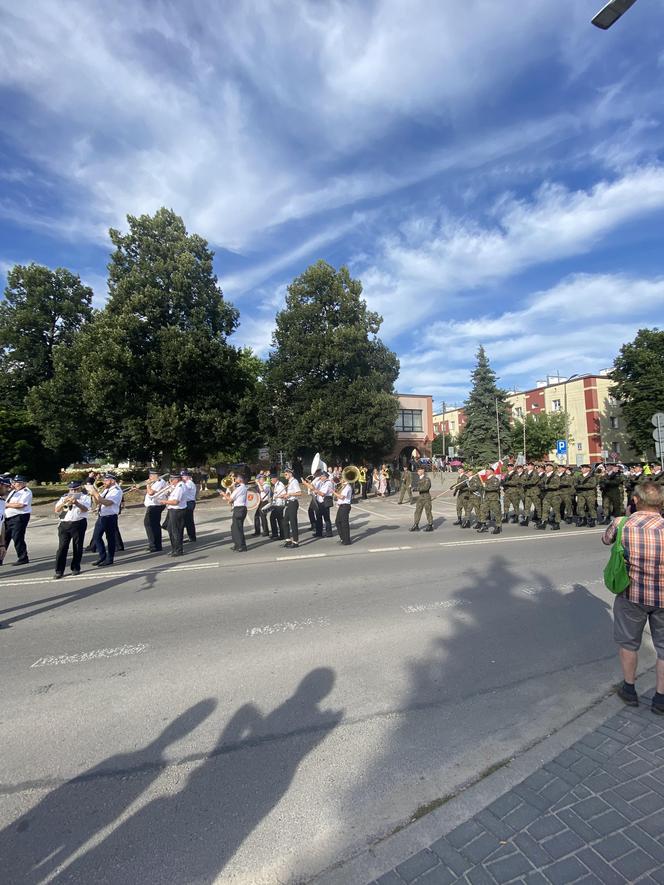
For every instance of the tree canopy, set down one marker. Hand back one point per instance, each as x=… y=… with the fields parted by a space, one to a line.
x=638 y=373
x=542 y=432
x=479 y=439
x=329 y=381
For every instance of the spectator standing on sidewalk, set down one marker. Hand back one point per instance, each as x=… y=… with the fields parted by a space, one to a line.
x=643 y=601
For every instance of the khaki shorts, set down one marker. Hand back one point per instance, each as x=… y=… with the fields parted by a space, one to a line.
x=629 y=621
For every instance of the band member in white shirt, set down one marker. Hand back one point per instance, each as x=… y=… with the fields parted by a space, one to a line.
x=73 y=509
x=325 y=502
x=277 y=530
x=312 y=511
x=260 y=517
x=293 y=492
x=154 y=507
x=344 y=496
x=5 y=488
x=18 y=507
x=190 y=497
x=108 y=502
x=237 y=498
x=176 y=505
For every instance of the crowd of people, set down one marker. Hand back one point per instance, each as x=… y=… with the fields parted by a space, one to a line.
x=546 y=494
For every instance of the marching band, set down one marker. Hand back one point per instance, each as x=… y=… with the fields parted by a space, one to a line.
x=542 y=494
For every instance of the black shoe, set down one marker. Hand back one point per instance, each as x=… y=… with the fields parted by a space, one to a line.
x=257 y=534
x=414 y=528
x=631 y=698
x=465 y=524
x=99 y=562
x=555 y=527
x=23 y=561
x=76 y=571
x=458 y=522
x=429 y=528
x=177 y=554
x=580 y=522
x=294 y=544
x=266 y=534
x=105 y=563
x=329 y=535
x=506 y=518
x=318 y=534
x=569 y=520
x=57 y=576
x=657 y=705
x=287 y=544
x=541 y=526
x=591 y=523
x=241 y=549
x=497 y=530
x=514 y=519
x=482 y=527
x=524 y=522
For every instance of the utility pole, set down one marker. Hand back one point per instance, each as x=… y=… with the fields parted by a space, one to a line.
x=498 y=429
x=444 y=405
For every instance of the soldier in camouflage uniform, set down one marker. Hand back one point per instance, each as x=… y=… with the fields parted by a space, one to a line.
x=612 y=486
x=657 y=474
x=511 y=495
x=567 y=495
x=423 y=501
x=460 y=493
x=551 y=497
x=474 y=498
x=406 y=485
x=531 y=494
x=490 y=505
x=586 y=497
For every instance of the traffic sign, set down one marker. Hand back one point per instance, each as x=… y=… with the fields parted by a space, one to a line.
x=561 y=447
x=658 y=435
x=658 y=419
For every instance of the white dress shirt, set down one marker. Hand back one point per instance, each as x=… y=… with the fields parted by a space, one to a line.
x=19 y=496
x=325 y=488
x=279 y=489
x=74 y=514
x=239 y=495
x=177 y=493
x=293 y=489
x=153 y=500
x=346 y=495
x=264 y=492
x=189 y=489
x=114 y=494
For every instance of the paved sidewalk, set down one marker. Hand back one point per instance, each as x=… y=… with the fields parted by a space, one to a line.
x=594 y=814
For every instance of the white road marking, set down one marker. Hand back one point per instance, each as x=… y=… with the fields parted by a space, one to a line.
x=83 y=657
x=433 y=606
x=300 y=556
x=287 y=626
x=114 y=573
x=508 y=540
x=383 y=549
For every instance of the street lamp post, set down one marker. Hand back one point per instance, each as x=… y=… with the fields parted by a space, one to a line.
x=567 y=380
x=609 y=14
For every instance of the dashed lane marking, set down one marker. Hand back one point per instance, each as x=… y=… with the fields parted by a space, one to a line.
x=287 y=626
x=386 y=549
x=494 y=540
x=433 y=606
x=300 y=556
x=85 y=656
x=113 y=573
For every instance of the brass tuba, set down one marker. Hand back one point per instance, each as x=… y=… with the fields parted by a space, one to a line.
x=350 y=474
x=228 y=481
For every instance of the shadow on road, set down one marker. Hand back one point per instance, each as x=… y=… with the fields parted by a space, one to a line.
x=184 y=836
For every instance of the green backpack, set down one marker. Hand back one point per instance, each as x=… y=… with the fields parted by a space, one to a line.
x=615 y=571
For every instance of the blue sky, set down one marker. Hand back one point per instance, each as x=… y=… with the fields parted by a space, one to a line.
x=493 y=172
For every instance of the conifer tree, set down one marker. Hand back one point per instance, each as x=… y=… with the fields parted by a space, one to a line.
x=479 y=440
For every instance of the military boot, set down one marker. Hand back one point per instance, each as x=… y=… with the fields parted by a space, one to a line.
x=569 y=520
x=428 y=528
x=482 y=527
x=506 y=518
x=580 y=521
x=465 y=524
x=496 y=530
x=555 y=527
x=525 y=521
x=458 y=522
x=514 y=519
x=541 y=526
x=590 y=523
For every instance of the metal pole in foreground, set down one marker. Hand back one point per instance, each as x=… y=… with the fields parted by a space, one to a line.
x=498 y=429
x=525 y=458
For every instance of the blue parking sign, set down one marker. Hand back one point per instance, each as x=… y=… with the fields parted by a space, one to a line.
x=561 y=447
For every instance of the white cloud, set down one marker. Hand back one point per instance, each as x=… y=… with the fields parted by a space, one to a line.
x=454 y=255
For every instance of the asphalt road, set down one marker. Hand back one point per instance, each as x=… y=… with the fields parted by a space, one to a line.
x=256 y=718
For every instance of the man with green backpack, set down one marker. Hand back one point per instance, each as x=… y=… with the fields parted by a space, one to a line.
x=635 y=573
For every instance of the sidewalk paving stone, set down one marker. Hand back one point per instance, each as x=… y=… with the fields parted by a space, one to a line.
x=594 y=814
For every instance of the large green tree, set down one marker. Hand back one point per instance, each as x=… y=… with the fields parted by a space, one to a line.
x=542 y=432
x=329 y=380
x=42 y=310
x=638 y=373
x=487 y=415
x=159 y=377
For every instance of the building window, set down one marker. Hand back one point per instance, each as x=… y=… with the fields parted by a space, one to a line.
x=409 y=420
x=579 y=447
x=615 y=447
x=518 y=412
x=613 y=422
x=556 y=405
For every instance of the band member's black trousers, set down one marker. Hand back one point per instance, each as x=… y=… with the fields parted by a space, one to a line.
x=15 y=528
x=105 y=525
x=152 y=525
x=323 y=515
x=73 y=532
x=312 y=513
x=363 y=488
x=189 y=520
x=277 y=523
x=292 y=531
x=175 y=522
x=237 y=528
x=260 y=521
x=342 y=522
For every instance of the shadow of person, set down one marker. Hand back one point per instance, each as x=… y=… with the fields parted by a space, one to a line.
x=45 y=837
x=190 y=836
x=374 y=530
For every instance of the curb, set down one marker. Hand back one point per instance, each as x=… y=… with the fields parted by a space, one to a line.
x=387 y=853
